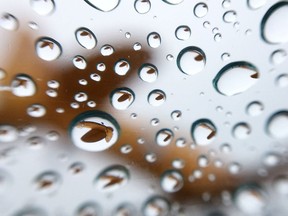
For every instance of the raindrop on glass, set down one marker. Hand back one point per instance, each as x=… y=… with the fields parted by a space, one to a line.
x=164 y=137
x=156 y=206
x=171 y=181
x=76 y=168
x=255 y=4
x=137 y=46
x=107 y=50
x=47 y=182
x=122 y=67
x=48 y=49
x=154 y=40
x=178 y=163
x=282 y=81
x=43 y=7
x=148 y=73
x=234 y=168
x=200 y=10
x=154 y=122
x=79 y=62
x=277 y=125
x=105 y=6
x=280 y=184
x=23 y=86
x=51 y=93
x=278 y=56
x=89 y=209
x=86 y=38
x=126 y=149
x=9 y=22
x=122 y=98
x=101 y=67
x=8 y=133
x=156 y=98
x=81 y=97
x=255 y=108
x=230 y=16
x=142 y=6
x=271 y=159
x=151 y=157
x=176 y=115
x=183 y=33
x=203 y=132
x=36 y=110
x=95 y=77
x=241 y=131
x=125 y=209
x=202 y=161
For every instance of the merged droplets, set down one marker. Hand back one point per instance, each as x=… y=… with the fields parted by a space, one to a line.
x=183 y=33
x=148 y=73
x=156 y=98
x=103 y=5
x=172 y=181
x=277 y=125
x=230 y=16
x=23 y=86
x=164 y=137
x=112 y=178
x=142 y=6
x=47 y=182
x=107 y=50
x=43 y=7
x=255 y=4
x=122 y=98
x=86 y=38
x=9 y=22
x=273 y=22
x=241 y=131
x=154 y=40
x=200 y=10
x=191 y=60
x=156 y=206
x=48 y=49
x=8 y=133
x=94 y=131
x=79 y=62
x=236 y=78
x=203 y=132
x=255 y=108
x=36 y=110
x=122 y=67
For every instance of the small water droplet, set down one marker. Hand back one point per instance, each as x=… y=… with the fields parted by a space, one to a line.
x=23 y=86
x=154 y=40
x=122 y=67
x=156 y=206
x=176 y=115
x=142 y=6
x=31 y=211
x=94 y=131
x=80 y=62
x=241 y=131
x=107 y=50
x=271 y=159
x=280 y=185
x=181 y=142
x=215 y=30
x=278 y=57
x=81 y=97
x=75 y=105
x=255 y=108
x=3 y=74
x=86 y=38
x=9 y=22
x=191 y=60
x=217 y=37
x=183 y=32
x=126 y=149
x=52 y=136
x=89 y=209
x=125 y=209
x=91 y=104
x=226 y=3
x=151 y=157
x=156 y=98
x=76 y=168
x=48 y=49
x=51 y=93
x=206 y=24
x=200 y=10
x=225 y=148
x=277 y=125
x=104 y=6
x=178 y=163
x=95 y=77
x=230 y=16
x=122 y=98
x=225 y=56
x=33 y=25
x=282 y=80
x=171 y=181
x=101 y=67
x=8 y=133
x=43 y=7
x=47 y=182
x=236 y=78
x=155 y=122
x=83 y=82
x=36 y=110
x=170 y=57
x=137 y=46
x=164 y=137
x=112 y=178
x=53 y=84
x=203 y=161
x=148 y=73
x=203 y=132
x=256 y=4
x=234 y=168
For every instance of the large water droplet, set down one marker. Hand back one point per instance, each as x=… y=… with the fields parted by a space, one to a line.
x=277 y=125
x=203 y=132
x=9 y=22
x=23 y=86
x=79 y=62
x=164 y=137
x=230 y=16
x=235 y=78
x=148 y=73
x=86 y=38
x=112 y=178
x=103 y=5
x=156 y=98
x=142 y=6
x=89 y=209
x=172 y=181
x=154 y=40
x=255 y=4
x=241 y=131
x=48 y=49
x=122 y=98
x=191 y=60
x=156 y=206
x=94 y=131
x=43 y=7
x=122 y=67
x=200 y=10
x=47 y=182
x=273 y=24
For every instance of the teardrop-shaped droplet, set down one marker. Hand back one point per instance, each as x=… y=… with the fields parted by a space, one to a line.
x=47 y=182
x=122 y=98
x=86 y=38
x=203 y=132
x=43 y=7
x=80 y=62
x=36 y=110
x=156 y=206
x=191 y=60
x=94 y=131
x=255 y=4
x=142 y=6
x=112 y=178
x=200 y=10
x=183 y=33
x=148 y=73
x=273 y=23
x=164 y=137
x=230 y=16
x=23 y=86
x=154 y=40
x=172 y=181
x=122 y=67
x=107 y=50
x=103 y=5
x=8 y=133
x=241 y=131
x=48 y=49
x=156 y=98
x=277 y=125
x=9 y=22
x=236 y=78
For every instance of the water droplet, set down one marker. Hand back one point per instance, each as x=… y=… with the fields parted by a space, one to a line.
x=122 y=98
x=236 y=78
x=142 y=6
x=43 y=7
x=206 y=24
x=30 y=211
x=234 y=168
x=170 y=57
x=226 y=3
x=79 y=62
x=83 y=82
x=176 y=115
x=125 y=209
x=112 y=178
x=277 y=125
x=200 y=10
x=86 y=38
x=52 y=136
x=122 y=67
x=271 y=159
x=137 y=46
x=278 y=57
x=8 y=133
x=101 y=67
x=155 y=122
x=33 y=25
x=154 y=40
x=75 y=105
x=203 y=132
x=3 y=74
x=241 y=131
x=127 y=35
x=51 y=93
x=53 y=84
x=126 y=149
x=250 y=199
x=81 y=97
x=255 y=108
x=280 y=185
x=191 y=60
x=282 y=80
x=107 y=50
x=272 y=23
x=255 y=4
x=47 y=182
x=225 y=148
x=172 y=181
x=164 y=137
x=9 y=22
x=151 y=157
x=148 y=73
x=89 y=209
x=95 y=77
x=178 y=163
x=230 y=16
x=76 y=168
x=94 y=131
x=91 y=104
x=183 y=32
x=215 y=30
x=133 y=115
x=36 y=110
x=217 y=37
x=48 y=49
x=197 y=174
x=181 y=142
x=105 y=6
x=23 y=86
x=156 y=98
x=156 y=206
x=203 y=161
